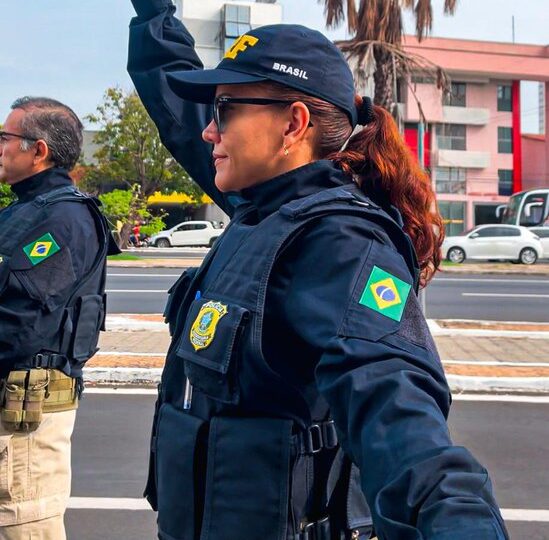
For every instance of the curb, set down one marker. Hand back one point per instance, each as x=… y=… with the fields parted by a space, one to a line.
x=127 y=323
x=457 y=383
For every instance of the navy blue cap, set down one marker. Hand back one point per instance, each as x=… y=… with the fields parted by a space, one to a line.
x=288 y=54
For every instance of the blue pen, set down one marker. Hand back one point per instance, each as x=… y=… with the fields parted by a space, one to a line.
x=188 y=397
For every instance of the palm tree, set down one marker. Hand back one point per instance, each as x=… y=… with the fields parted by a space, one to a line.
x=375 y=51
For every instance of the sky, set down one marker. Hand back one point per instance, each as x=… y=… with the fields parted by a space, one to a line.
x=73 y=50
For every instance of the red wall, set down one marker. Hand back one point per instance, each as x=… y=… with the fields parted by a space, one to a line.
x=411 y=138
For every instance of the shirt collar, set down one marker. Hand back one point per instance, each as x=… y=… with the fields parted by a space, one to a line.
x=269 y=196
x=41 y=183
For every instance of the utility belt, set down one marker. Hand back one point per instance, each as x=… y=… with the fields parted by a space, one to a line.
x=25 y=395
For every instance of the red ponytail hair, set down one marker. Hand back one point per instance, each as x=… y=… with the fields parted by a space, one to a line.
x=401 y=181
x=384 y=166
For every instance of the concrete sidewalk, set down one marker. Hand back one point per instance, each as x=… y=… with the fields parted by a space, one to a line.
x=485 y=357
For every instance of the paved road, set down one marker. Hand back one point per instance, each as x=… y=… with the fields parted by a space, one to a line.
x=452 y=296
x=110 y=454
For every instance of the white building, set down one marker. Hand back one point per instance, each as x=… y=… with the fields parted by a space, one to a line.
x=215 y=25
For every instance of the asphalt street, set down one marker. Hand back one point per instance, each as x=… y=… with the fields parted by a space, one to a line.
x=494 y=297
x=110 y=449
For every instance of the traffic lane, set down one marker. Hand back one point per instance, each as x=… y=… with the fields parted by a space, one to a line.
x=141 y=525
x=139 y=290
x=111 y=441
x=111 y=445
x=510 y=440
x=110 y=525
x=488 y=297
x=144 y=291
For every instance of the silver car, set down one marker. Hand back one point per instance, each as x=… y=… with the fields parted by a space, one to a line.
x=494 y=242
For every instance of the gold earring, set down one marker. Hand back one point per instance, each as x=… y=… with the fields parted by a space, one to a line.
x=286 y=151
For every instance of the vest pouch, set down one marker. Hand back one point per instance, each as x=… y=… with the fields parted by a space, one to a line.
x=150 y=492
x=176 y=296
x=89 y=312
x=179 y=455
x=209 y=347
x=248 y=477
x=4 y=273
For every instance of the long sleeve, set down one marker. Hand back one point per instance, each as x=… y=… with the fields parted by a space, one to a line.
x=160 y=44
x=32 y=298
x=384 y=383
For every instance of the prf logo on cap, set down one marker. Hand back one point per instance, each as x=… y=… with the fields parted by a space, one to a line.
x=240 y=45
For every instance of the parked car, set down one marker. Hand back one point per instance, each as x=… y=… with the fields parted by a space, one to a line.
x=543 y=234
x=188 y=233
x=494 y=242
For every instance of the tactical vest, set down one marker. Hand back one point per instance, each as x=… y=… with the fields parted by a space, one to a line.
x=240 y=463
x=84 y=312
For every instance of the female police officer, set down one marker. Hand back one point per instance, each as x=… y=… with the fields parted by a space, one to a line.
x=301 y=375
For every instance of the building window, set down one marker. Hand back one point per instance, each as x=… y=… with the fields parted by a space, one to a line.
x=450 y=180
x=505 y=140
x=505 y=183
x=504 y=98
x=456 y=97
x=236 y=23
x=453 y=216
x=451 y=137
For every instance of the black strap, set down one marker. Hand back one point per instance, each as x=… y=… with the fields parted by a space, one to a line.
x=317 y=437
x=48 y=361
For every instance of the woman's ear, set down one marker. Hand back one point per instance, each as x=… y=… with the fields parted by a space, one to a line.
x=299 y=119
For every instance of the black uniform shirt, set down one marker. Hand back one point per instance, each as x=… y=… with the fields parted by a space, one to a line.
x=31 y=301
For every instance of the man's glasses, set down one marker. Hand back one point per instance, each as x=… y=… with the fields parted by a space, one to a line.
x=4 y=137
x=222 y=106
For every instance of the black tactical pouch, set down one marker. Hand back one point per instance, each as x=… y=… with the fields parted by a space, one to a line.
x=248 y=479
x=176 y=297
x=88 y=318
x=211 y=356
x=179 y=447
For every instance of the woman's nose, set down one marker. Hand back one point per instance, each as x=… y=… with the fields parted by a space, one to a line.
x=210 y=133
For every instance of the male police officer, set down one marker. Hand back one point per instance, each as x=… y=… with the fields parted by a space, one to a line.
x=53 y=247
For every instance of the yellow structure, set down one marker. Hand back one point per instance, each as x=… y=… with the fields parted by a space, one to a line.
x=177 y=198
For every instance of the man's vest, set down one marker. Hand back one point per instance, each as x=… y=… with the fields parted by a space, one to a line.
x=242 y=462
x=75 y=341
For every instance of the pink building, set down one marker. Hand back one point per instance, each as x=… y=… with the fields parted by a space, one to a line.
x=474 y=146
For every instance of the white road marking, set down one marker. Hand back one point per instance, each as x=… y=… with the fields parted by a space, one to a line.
x=122 y=391
x=478 y=280
x=501 y=398
x=506 y=295
x=145 y=275
x=107 y=503
x=523 y=514
x=136 y=291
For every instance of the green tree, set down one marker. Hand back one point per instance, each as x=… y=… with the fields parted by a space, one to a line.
x=6 y=195
x=132 y=156
x=375 y=50
x=126 y=206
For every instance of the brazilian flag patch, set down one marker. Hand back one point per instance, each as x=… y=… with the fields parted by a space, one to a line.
x=41 y=249
x=385 y=294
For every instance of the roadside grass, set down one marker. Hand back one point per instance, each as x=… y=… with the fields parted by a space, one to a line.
x=123 y=257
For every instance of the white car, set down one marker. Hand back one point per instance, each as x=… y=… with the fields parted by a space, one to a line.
x=543 y=233
x=494 y=242
x=188 y=233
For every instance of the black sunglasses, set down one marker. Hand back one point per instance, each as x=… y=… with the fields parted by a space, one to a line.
x=221 y=102
x=4 y=134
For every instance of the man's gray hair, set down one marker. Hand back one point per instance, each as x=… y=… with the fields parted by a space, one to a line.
x=55 y=123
